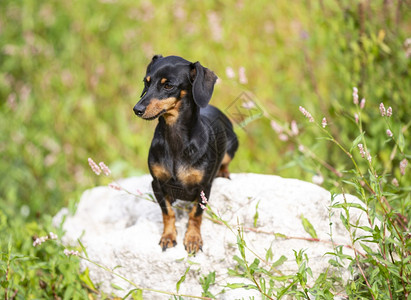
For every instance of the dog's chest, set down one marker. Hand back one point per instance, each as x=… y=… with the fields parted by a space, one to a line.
x=181 y=173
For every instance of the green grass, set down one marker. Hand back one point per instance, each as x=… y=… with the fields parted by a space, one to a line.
x=71 y=72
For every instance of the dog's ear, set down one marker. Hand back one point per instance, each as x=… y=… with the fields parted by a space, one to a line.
x=153 y=60
x=203 y=84
x=155 y=57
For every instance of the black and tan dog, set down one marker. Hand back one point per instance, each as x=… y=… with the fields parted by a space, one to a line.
x=193 y=142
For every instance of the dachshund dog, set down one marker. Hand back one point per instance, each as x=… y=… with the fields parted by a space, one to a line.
x=193 y=142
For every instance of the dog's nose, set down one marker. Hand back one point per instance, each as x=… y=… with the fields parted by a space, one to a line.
x=139 y=110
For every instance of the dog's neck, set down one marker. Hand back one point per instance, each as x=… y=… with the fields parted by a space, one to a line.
x=178 y=134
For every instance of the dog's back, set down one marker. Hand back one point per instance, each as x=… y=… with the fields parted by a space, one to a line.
x=217 y=118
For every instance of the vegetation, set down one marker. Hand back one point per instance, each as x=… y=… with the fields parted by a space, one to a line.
x=71 y=72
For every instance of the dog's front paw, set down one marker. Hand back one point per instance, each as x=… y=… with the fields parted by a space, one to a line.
x=168 y=240
x=193 y=241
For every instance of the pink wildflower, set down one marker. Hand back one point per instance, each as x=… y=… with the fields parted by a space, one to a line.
x=361 y=148
x=204 y=201
x=403 y=165
x=242 y=77
x=362 y=103
x=229 y=72
x=214 y=22
x=40 y=240
x=283 y=137
x=294 y=127
x=105 y=169
x=389 y=111
x=382 y=109
x=277 y=127
x=94 y=167
x=306 y=114
x=356 y=118
x=324 y=122
x=68 y=252
x=369 y=156
x=389 y=133
x=364 y=153
x=114 y=186
x=203 y=197
x=53 y=236
x=395 y=182
x=355 y=95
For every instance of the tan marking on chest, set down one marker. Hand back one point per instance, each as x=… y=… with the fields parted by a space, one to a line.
x=160 y=172
x=189 y=175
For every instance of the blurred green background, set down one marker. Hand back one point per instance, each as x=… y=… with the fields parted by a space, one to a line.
x=71 y=72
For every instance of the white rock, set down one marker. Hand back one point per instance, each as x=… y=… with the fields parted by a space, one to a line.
x=120 y=229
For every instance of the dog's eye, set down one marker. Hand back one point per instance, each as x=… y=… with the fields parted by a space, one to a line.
x=168 y=86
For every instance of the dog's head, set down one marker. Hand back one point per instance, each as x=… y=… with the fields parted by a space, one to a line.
x=171 y=80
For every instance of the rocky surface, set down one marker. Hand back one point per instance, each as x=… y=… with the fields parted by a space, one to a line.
x=123 y=230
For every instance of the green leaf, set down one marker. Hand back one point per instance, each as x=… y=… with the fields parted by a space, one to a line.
x=285 y=289
x=241 y=286
x=235 y=285
x=207 y=280
x=334 y=263
x=117 y=287
x=356 y=141
x=401 y=141
x=283 y=278
x=280 y=235
x=309 y=228
x=83 y=248
x=190 y=262
x=68 y=294
x=367 y=249
x=256 y=214
x=269 y=254
x=85 y=277
x=355 y=205
x=136 y=294
x=385 y=48
x=241 y=244
x=4 y=284
x=182 y=279
x=344 y=221
x=254 y=266
x=279 y=262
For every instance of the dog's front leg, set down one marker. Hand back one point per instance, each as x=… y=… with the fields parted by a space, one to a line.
x=192 y=240
x=169 y=237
